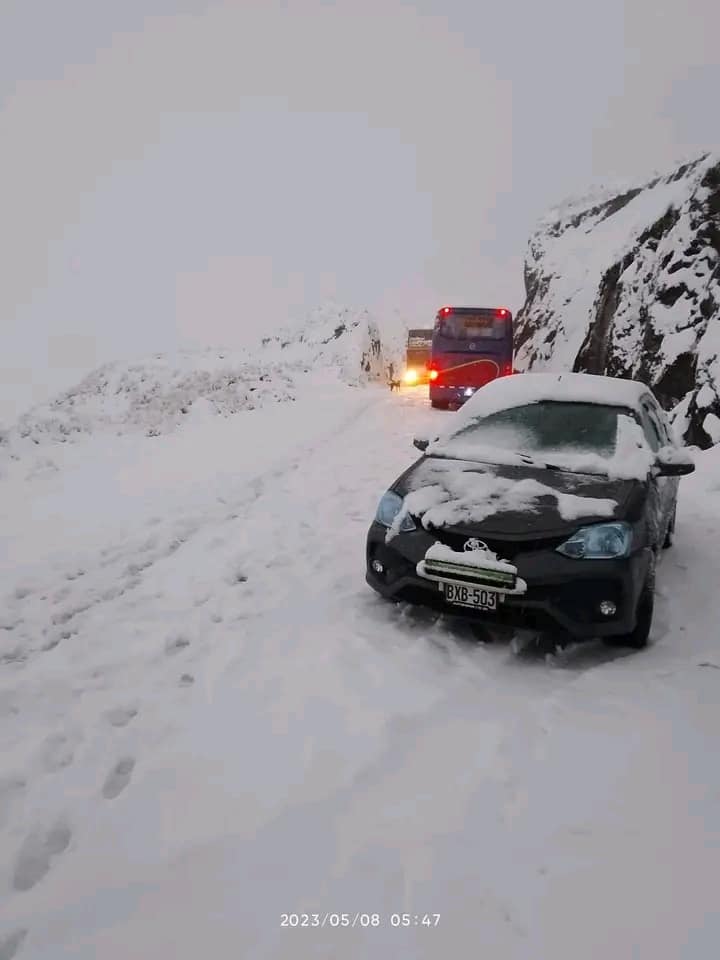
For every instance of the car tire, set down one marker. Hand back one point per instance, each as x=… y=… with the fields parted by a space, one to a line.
x=438 y=404
x=670 y=535
x=638 y=638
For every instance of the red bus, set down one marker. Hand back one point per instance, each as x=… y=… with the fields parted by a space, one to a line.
x=470 y=347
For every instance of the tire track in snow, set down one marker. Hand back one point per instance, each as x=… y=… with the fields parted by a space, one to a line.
x=87 y=597
x=125 y=565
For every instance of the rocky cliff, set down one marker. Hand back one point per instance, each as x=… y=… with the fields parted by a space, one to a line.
x=627 y=282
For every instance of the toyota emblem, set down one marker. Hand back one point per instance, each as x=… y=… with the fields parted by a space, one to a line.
x=474 y=544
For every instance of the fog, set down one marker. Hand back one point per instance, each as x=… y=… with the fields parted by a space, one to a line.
x=178 y=173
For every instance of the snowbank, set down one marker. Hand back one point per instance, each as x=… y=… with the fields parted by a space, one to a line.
x=160 y=394
x=359 y=345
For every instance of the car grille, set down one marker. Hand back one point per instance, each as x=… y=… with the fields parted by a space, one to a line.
x=475 y=575
x=503 y=549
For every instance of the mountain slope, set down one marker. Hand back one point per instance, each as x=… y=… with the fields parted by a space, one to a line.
x=628 y=284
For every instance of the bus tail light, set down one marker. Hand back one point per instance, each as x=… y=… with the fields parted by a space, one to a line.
x=507 y=369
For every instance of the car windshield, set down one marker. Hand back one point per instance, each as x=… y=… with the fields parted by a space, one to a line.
x=543 y=430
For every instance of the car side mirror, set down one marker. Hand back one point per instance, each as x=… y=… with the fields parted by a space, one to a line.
x=421 y=443
x=673 y=462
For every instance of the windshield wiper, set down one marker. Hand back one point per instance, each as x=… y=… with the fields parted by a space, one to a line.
x=531 y=462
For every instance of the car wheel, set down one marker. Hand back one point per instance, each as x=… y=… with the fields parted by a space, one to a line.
x=670 y=535
x=638 y=638
x=438 y=404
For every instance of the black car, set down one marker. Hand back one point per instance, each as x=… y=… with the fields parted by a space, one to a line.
x=543 y=505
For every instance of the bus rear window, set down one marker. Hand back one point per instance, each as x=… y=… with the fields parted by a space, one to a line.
x=472 y=327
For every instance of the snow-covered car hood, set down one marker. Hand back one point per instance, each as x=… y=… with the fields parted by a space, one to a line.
x=509 y=500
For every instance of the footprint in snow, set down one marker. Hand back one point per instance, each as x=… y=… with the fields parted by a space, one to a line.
x=236 y=576
x=37 y=852
x=58 y=752
x=118 y=778
x=121 y=716
x=54 y=641
x=175 y=643
x=10 y=944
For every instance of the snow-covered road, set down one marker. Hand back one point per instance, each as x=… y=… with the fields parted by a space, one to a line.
x=209 y=720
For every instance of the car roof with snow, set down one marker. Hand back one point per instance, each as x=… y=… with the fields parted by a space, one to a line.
x=524 y=388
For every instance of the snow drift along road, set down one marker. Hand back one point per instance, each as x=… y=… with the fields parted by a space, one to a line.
x=208 y=719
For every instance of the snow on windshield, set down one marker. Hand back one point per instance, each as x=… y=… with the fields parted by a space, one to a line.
x=579 y=437
x=450 y=492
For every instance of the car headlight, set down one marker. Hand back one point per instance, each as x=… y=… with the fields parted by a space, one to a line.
x=602 y=541
x=388 y=509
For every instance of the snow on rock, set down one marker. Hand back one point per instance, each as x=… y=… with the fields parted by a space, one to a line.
x=357 y=344
x=627 y=283
x=711 y=426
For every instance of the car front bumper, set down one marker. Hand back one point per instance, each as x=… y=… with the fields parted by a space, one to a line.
x=562 y=594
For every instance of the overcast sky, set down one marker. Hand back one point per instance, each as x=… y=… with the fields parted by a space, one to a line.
x=178 y=172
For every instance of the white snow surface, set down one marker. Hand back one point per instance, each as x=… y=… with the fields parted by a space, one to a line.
x=449 y=492
x=355 y=342
x=208 y=720
x=711 y=425
x=158 y=395
x=632 y=457
x=520 y=389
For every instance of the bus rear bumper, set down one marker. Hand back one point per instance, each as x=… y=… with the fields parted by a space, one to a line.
x=450 y=394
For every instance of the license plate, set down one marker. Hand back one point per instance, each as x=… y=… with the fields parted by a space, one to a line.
x=475 y=597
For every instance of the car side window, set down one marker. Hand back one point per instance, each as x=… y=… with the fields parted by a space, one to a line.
x=658 y=417
x=665 y=430
x=652 y=428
